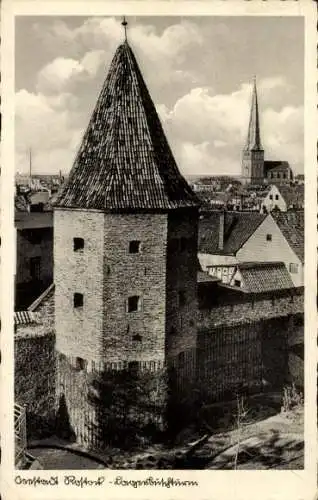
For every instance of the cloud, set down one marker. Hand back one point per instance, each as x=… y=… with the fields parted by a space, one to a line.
x=50 y=126
x=94 y=42
x=62 y=74
x=208 y=130
x=205 y=127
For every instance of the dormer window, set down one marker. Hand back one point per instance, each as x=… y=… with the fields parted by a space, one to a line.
x=78 y=244
x=134 y=246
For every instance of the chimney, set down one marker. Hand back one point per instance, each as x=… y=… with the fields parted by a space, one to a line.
x=221 y=229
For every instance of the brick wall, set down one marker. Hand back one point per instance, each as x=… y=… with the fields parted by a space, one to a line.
x=244 y=355
x=79 y=331
x=257 y=248
x=251 y=308
x=182 y=279
x=141 y=274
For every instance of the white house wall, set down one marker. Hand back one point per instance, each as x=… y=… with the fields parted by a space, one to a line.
x=270 y=204
x=258 y=249
x=207 y=260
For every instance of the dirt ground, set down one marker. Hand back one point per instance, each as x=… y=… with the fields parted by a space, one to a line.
x=269 y=439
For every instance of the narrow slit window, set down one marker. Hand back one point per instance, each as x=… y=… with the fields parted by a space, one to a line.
x=80 y=364
x=133 y=304
x=137 y=338
x=78 y=244
x=78 y=300
x=134 y=246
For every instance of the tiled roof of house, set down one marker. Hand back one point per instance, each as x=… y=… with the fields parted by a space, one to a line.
x=124 y=161
x=293 y=195
x=292 y=225
x=264 y=276
x=238 y=228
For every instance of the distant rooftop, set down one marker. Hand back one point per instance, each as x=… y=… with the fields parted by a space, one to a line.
x=238 y=227
x=292 y=225
x=264 y=276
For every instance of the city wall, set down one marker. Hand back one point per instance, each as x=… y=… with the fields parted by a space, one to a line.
x=240 y=346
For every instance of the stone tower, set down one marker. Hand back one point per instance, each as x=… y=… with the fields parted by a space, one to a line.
x=125 y=247
x=253 y=153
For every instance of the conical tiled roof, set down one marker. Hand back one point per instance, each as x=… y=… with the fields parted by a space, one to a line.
x=253 y=137
x=124 y=161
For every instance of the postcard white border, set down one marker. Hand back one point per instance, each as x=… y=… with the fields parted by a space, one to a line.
x=213 y=484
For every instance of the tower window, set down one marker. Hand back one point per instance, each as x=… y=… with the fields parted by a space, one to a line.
x=80 y=364
x=78 y=244
x=268 y=237
x=134 y=303
x=173 y=330
x=134 y=246
x=78 y=299
x=137 y=337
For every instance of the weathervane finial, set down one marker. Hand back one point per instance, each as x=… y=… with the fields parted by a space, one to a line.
x=124 y=24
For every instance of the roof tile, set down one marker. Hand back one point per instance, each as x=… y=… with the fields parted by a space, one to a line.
x=238 y=227
x=124 y=161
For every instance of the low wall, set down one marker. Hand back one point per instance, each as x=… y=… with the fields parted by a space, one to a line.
x=248 y=356
x=35 y=381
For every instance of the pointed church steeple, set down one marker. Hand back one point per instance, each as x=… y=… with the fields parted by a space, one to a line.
x=124 y=161
x=253 y=142
x=253 y=152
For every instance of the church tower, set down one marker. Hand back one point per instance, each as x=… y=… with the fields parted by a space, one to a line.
x=125 y=248
x=253 y=153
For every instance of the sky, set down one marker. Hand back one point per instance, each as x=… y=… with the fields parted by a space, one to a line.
x=199 y=72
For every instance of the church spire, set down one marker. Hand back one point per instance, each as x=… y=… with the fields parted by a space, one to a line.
x=253 y=142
